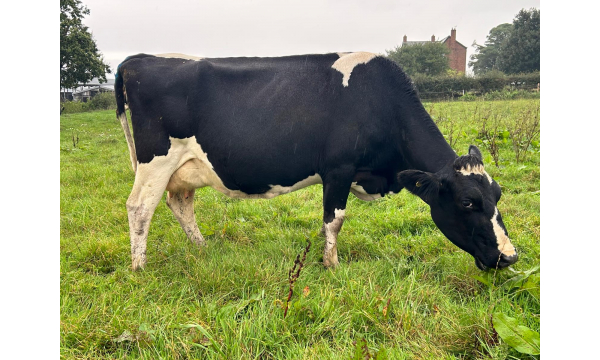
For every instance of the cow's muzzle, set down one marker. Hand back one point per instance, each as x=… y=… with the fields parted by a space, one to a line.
x=507 y=260
x=502 y=262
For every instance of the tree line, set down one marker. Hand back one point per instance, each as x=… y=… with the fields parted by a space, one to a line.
x=80 y=59
x=509 y=48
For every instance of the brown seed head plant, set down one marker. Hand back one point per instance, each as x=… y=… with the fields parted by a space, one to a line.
x=294 y=273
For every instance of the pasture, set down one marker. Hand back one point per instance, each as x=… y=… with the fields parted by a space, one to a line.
x=401 y=286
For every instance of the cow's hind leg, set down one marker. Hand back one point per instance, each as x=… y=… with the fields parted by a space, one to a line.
x=336 y=188
x=181 y=204
x=150 y=182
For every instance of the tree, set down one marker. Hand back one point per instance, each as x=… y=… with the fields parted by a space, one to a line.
x=486 y=56
x=80 y=59
x=521 y=50
x=429 y=58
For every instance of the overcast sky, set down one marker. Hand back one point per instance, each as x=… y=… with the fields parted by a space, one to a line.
x=223 y=28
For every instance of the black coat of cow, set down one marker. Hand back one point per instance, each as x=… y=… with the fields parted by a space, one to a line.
x=261 y=127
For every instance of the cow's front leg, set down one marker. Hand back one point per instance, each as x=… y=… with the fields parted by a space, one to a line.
x=336 y=187
x=181 y=204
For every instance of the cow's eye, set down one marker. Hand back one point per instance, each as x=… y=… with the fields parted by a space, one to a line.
x=467 y=204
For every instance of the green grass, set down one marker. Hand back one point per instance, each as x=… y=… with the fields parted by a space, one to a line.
x=232 y=290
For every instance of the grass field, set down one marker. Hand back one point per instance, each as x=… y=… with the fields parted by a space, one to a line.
x=401 y=285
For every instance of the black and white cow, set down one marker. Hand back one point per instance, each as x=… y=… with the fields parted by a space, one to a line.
x=262 y=127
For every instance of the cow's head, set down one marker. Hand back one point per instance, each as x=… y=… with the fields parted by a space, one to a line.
x=463 y=198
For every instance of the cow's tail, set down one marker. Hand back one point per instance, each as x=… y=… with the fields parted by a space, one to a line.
x=122 y=116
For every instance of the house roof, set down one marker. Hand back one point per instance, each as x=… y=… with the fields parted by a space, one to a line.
x=96 y=87
x=426 y=42
x=448 y=38
x=415 y=42
x=95 y=81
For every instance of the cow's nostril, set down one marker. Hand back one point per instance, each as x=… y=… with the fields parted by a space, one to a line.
x=509 y=260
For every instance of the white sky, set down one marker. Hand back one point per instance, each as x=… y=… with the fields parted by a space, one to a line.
x=220 y=28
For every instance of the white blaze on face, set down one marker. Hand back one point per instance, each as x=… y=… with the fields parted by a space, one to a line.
x=477 y=170
x=504 y=244
x=347 y=61
x=179 y=56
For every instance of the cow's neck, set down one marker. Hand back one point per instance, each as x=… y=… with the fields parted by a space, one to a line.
x=420 y=141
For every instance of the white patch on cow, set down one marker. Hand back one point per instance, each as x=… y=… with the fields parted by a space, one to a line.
x=179 y=56
x=339 y=213
x=488 y=177
x=332 y=229
x=196 y=171
x=504 y=244
x=180 y=152
x=477 y=170
x=347 y=61
x=362 y=194
x=277 y=190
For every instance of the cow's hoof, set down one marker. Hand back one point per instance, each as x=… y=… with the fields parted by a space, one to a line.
x=138 y=263
x=331 y=263
x=137 y=267
x=200 y=242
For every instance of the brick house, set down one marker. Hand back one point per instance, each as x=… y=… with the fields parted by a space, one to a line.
x=458 y=52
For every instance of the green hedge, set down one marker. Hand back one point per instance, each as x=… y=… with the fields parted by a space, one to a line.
x=492 y=86
x=501 y=95
x=452 y=86
x=102 y=101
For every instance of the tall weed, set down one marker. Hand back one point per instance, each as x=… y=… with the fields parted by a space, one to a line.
x=449 y=125
x=489 y=134
x=524 y=131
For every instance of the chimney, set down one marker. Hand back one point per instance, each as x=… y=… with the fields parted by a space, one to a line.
x=453 y=34
x=432 y=38
x=404 y=40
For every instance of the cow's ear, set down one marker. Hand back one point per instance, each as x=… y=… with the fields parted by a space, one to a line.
x=423 y=184
x=474 y=150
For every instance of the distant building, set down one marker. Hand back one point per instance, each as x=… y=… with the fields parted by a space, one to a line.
x=458 y=52
x=84 y=92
